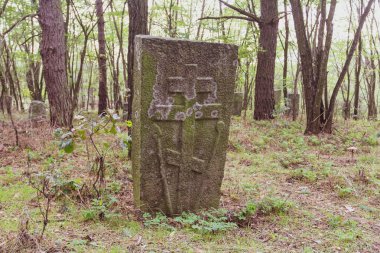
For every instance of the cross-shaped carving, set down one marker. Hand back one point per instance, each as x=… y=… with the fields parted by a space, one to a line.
x=189 y=86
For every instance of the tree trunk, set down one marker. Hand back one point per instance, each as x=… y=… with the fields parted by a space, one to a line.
x=314 y=65
x=358 y=67
x=371 y=83
x=53 y=54
x=264 y=89
x=330 y=112
x=102 y=59
x=138 y=24
x=8 y=74
x=89 y=87
x=119 y=34
x=4 y=90
x=200 y=21
x=286 y=52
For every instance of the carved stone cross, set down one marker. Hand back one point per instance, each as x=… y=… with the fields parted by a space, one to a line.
x=181 y=115
x=189 y=86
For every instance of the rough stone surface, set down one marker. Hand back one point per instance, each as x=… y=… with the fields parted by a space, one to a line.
x=293 y=102
x=37 y=110
x=238 y=103
x=183 y=100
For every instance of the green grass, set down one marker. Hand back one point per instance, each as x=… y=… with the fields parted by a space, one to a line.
x=287 y=193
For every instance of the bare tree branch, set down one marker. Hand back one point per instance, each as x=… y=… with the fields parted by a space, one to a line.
x=17 y=22
x=3 y=7
x=229 y=17
x=243 y=12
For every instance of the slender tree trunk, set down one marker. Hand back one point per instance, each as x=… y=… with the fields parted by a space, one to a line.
x=151 y=15
x=295 y=92
x=78 y=82
x=347 y=99
x=286 y=52
x=371 y=83
x=266 y=58
x=32 y=77
x=53 y=53
x=119 y=33
x=138 y=24
x=247 y=85
x=314 y=61
x=4 y=90
x=8 y=74
x=89 y=86
x=102 y=59
x=358 y=67
x=200 y=21
x=330 y=112
x=18 y=85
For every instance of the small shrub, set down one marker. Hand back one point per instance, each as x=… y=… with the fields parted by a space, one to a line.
x=160 y=220
x=314 y=141
x=100 y=209
x=249 y=210
x=328 y=149
x=335 y=221
x=306 y=175
x=114 y=187
x=371 y=141
x=344 y=192
x=273 y=205
x=348 y=236
x=291 y=160
x=211 y=221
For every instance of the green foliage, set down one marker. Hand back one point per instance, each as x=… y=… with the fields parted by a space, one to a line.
x=371 y=141
x=346 y=230
x=273 y=205
x=159 y=220
x=114 y=187
x=205 y=222
x=7 y=176
x=292 y=159
x=213 y=221
x=249 y=210
x=306 y=175
x=88 y=128
x=335 y=221
x=344 y=192
x=100 y=209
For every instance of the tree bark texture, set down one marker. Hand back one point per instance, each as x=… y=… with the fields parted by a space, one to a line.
x=138 y=24
x=330 y=113
x=53 y=54
x=286 y=52
x=314 y=66
x=102 y=59
x=264 y=89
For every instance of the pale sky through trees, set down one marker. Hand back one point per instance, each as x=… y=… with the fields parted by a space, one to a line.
x=341 y=18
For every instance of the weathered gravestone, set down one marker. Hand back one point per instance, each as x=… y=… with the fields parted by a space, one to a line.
x=182 y=105
x=37 y=110
x=238 y=103
x=293 y=102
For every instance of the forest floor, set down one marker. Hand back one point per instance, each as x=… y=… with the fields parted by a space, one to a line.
x=282 y=192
